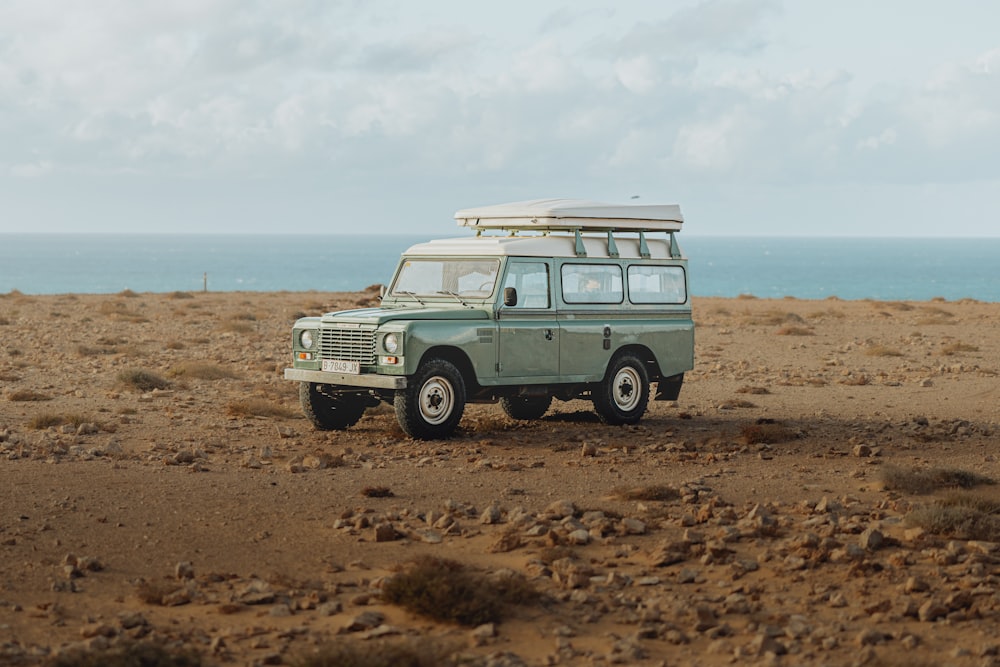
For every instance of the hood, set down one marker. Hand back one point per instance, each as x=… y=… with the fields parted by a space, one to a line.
x=378 y=316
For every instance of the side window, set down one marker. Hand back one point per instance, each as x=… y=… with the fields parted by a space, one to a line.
x=531 y=280
x=656 y=284
x=592 y=283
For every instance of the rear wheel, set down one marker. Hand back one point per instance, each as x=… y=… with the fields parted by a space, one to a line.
x=330 y=412
x=525 y=407
x=623 y=395
x=433 y=402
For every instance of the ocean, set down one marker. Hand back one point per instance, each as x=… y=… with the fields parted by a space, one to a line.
x=915 y=269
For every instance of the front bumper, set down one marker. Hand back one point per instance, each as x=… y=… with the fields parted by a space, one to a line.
x=346 y=379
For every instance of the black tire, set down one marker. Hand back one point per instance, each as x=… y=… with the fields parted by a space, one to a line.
x=623 y=395
x=330 y=413
x=433 y=402
x=525 y=407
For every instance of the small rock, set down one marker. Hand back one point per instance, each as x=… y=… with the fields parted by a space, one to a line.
x=931 y=610
x=491 y=515
x=483 y=634
x=184 y=570
x=560 y=509
x=367 y=620
x=872 y=539
x=629 y=526
x=330 y=608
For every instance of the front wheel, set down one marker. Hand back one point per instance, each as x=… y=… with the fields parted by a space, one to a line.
x=623 y=395
x=330 y=412
x=433 y=402
x=525 y=407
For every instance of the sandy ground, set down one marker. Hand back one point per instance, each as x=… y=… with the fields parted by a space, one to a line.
x=258 y=541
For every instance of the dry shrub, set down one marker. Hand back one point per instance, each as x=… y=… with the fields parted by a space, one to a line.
x=882 y=351
x=9 y=376
x=90 y=351
x=968 y=519
x=377 y=492
x=141 y=379
x=174 y=345
x=921 y=481
x=958 y=348
x=28 y=395
x=794 y=331
x=830 y=313
x=409 y=652
x=46 y=420
x=119 y=311
x=753 y=390
x=180 y=295
x=747 y=297
x=4 y=321
x=129 y=654
x=202 y=371
x=933 y=311
x=246 y=317
x=236 y=326
x=895 y=305
x=734 y=403
x=766 y=432
x=446 y=591
x=258 y=407
x=653 y=492
x=935 y=321
x=128 y=293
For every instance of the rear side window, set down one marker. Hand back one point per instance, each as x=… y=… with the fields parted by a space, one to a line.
x=592 y=283
x=656 y=284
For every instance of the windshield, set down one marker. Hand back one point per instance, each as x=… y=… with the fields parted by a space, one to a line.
x=434 y=277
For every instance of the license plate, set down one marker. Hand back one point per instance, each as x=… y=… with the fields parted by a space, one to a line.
x=340 y=366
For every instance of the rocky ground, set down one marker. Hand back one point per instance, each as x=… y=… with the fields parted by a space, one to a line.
x=797 y=505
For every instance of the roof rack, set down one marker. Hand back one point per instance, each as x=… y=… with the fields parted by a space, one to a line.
x=578 y=216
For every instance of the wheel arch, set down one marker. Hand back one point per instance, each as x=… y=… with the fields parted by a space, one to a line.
x=459 y=359
x=644 y=354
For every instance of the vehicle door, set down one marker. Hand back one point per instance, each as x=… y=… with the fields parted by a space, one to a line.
x=528 y=330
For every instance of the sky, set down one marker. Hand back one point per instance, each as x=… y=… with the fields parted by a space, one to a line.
x=758 y=117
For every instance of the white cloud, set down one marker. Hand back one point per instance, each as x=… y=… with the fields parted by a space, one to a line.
x=593 y=97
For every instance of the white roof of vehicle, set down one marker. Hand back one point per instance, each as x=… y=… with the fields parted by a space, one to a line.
x=572 y=214
x=537 y=246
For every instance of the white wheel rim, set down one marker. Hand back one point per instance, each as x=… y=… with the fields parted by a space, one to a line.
x=437 y=398
x=626 y=389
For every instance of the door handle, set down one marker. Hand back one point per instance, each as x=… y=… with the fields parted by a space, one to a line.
x=548 y=334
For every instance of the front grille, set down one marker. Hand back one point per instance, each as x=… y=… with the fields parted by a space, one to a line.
x=348 y=344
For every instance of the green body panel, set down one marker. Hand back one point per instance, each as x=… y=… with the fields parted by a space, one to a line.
x=583 y=356
x=562 y=344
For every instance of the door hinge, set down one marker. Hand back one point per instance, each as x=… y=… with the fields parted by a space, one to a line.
x=499 y=367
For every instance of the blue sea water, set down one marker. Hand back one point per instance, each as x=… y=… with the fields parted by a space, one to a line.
x=768 y=267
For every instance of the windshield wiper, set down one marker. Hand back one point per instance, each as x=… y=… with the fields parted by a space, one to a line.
x=453 y=294
x=412 y=295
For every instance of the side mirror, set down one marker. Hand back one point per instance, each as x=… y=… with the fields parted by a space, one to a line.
x=382 y=291
x=509 y=297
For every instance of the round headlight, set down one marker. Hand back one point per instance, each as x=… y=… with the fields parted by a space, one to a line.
x=390 y=343
x=306 y=339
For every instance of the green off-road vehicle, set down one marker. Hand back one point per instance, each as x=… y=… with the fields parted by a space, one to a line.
x=551 y=298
